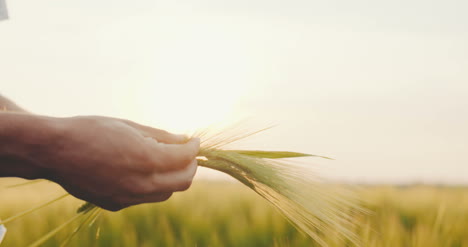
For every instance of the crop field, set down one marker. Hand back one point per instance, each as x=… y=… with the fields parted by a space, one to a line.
x=229 y=214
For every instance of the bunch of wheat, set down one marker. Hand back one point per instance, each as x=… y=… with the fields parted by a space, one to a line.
x=312 y=206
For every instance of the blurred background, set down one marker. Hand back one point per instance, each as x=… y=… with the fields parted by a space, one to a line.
x=381 y=87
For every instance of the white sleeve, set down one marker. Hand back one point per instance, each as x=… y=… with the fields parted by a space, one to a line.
x=2 y=232
x=3 y=10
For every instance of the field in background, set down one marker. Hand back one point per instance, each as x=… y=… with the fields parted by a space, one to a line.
x=227 y=214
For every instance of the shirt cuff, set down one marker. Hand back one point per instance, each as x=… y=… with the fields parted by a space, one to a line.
x=2 y=232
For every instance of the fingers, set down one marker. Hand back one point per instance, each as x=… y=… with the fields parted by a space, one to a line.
x=179 y=165
x=160 y=187
x=173 y=157
x=174 y=181
x=169 y=163
x=153 y=183
x=158 y=134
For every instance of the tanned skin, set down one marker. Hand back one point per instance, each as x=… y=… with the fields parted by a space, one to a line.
x=113 y=163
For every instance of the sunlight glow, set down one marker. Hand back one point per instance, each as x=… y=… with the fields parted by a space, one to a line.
x=199 y=78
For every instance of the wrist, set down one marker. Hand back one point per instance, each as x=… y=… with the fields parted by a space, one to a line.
x=25 y=140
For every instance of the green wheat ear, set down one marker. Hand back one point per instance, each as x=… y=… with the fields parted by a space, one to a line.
x=311 y=206
x=308 y=204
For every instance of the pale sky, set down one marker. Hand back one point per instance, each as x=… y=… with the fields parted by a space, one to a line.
x=381 y=86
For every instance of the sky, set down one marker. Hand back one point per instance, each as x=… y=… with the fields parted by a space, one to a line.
x=380 y=86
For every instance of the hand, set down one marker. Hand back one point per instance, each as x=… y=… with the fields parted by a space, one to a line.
x=116 y=163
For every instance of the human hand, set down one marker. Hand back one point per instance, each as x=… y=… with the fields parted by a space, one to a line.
x=115 y=163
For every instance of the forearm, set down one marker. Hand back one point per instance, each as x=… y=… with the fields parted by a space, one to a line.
x=10 y=106
x=23 y=137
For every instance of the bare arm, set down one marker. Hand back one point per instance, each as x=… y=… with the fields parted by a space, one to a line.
x=18 y=136
x=113 y=163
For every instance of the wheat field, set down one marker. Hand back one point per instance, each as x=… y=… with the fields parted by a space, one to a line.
x=229 y=214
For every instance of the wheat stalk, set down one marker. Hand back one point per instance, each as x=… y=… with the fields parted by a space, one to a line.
x=310 y=205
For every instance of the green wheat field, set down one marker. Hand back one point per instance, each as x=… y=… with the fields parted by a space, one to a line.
x=229 y=214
